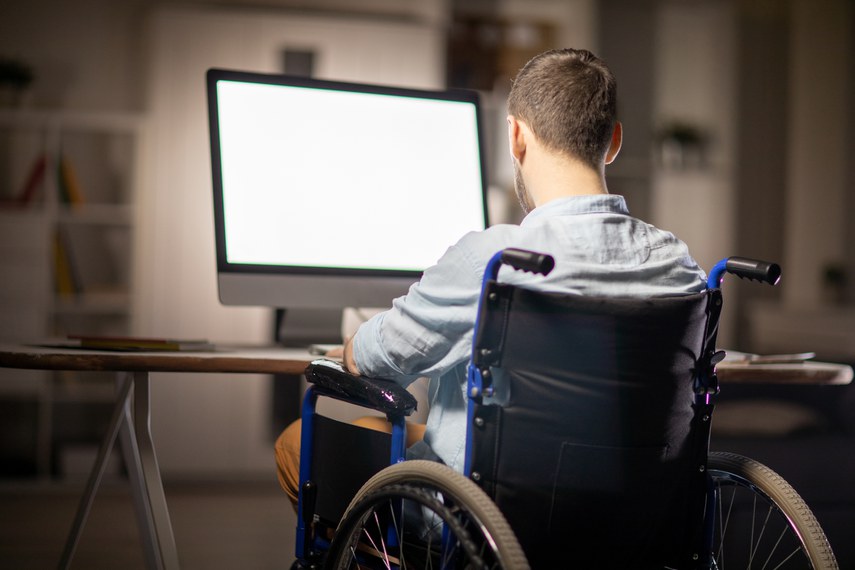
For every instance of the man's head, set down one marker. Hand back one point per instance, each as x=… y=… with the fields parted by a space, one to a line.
x=568 y=99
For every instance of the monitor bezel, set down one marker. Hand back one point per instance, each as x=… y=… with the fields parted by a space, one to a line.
x=227 y=271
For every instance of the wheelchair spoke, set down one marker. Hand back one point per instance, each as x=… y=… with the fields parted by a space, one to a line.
x=759 y=523
x=420 y=515
x=723 y=522
x=384 y=543
x=793 y=553
x=756 y=544
x=751 y=547
x=374 y=547
x=380 y=538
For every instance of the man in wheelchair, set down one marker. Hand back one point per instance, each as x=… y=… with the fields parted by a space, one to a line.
x=558 y=449
x=562 y=132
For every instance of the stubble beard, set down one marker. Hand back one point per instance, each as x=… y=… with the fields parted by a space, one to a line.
x=524 y=198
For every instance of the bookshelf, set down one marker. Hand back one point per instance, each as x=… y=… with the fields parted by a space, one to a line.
x=67 y=224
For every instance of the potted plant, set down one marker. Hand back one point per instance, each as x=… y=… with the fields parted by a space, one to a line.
x=15 y=77
x=682 y=146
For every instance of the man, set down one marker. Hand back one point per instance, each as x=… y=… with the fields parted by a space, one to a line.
x=562 y=131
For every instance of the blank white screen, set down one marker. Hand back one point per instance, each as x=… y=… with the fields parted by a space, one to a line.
x=342 y=179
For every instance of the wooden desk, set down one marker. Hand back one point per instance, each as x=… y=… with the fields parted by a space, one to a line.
x=227 y=358
x=131 y=413
x=131 y=421
x=808 y=372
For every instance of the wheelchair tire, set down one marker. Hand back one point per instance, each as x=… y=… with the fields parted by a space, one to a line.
x=757 y=504
x=475 y=534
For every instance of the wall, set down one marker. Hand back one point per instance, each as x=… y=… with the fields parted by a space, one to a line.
x=572 y=23
x=762 y=142
x=627 y=36
x=93 y=55
x=102 y=55
x=224 y=422
x=695 y=200
x=818 y=154
x=817 y=192
x=85 y=54
x=176 y=269
x=89 y=54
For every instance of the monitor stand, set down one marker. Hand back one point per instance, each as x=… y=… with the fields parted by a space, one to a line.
x=304 y=327
x=299 y=328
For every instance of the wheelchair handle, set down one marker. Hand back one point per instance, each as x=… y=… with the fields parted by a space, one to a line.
x=519 y=259
x=745 y=268
x=529 y=261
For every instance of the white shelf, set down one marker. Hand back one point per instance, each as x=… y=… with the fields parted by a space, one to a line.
x=90 y=211
x=103 y=303
x=97 y=214
x=100 y=390
x=77 y=120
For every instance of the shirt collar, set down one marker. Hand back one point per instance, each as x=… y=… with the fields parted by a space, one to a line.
x=573 y=205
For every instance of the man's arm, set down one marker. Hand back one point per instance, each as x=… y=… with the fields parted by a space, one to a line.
x=427 y=331
x=347 y=357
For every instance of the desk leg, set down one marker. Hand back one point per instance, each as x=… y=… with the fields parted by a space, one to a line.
x=149 y=499
x=96 y=474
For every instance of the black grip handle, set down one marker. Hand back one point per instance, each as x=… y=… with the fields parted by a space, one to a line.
x=531 y=261
x=754 y=269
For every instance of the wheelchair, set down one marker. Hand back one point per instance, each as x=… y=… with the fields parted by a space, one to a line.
x=599 y=458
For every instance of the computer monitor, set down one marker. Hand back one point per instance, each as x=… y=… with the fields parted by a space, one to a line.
x=331 y=194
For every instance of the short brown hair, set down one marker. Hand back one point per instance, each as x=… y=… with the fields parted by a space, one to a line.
x=568 y=98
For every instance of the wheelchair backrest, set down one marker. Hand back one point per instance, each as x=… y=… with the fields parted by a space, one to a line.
x=601 y=447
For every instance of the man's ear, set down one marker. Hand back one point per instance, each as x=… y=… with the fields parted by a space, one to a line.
x=617 y=141
x=516 y=137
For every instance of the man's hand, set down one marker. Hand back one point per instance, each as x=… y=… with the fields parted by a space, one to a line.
x=348 y=359
x=346 y=354
x=335 y=352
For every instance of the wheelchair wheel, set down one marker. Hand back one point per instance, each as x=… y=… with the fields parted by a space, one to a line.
x=422 y=514
x=761 y=522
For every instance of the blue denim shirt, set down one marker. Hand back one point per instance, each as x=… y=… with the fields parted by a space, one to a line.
x=599 y=249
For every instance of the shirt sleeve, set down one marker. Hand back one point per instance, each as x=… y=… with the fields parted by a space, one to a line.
x=427 y=331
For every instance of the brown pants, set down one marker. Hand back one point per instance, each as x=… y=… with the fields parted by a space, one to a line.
x=287 y=450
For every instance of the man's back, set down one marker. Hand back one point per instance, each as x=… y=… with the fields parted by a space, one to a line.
x=601 y=250
x=598 y=249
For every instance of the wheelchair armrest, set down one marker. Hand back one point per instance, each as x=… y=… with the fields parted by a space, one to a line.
x=332 y=380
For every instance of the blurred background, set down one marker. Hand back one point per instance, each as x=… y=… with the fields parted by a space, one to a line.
x=738 y=118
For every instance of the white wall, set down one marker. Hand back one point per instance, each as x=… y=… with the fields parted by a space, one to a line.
x=85 y=54
x=575 y=24
x=818 y=187
x=217 y=424
x=575 y=20
x=818 y=156
x=89 y=54
x=104 y=55
x=695 y=84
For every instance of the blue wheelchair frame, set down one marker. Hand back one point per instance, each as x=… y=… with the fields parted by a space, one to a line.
x=393 y=399
x=479 y=382
x=479 y=385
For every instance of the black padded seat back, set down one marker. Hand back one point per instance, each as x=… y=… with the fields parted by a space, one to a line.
x=597 y=458
x=344 y=457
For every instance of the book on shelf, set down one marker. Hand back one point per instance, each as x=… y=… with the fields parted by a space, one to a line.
x=130 y=343
x=66 y=279
x=69 y=187
x=34 y=180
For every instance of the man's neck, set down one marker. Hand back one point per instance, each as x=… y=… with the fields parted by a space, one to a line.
x=554 y=176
